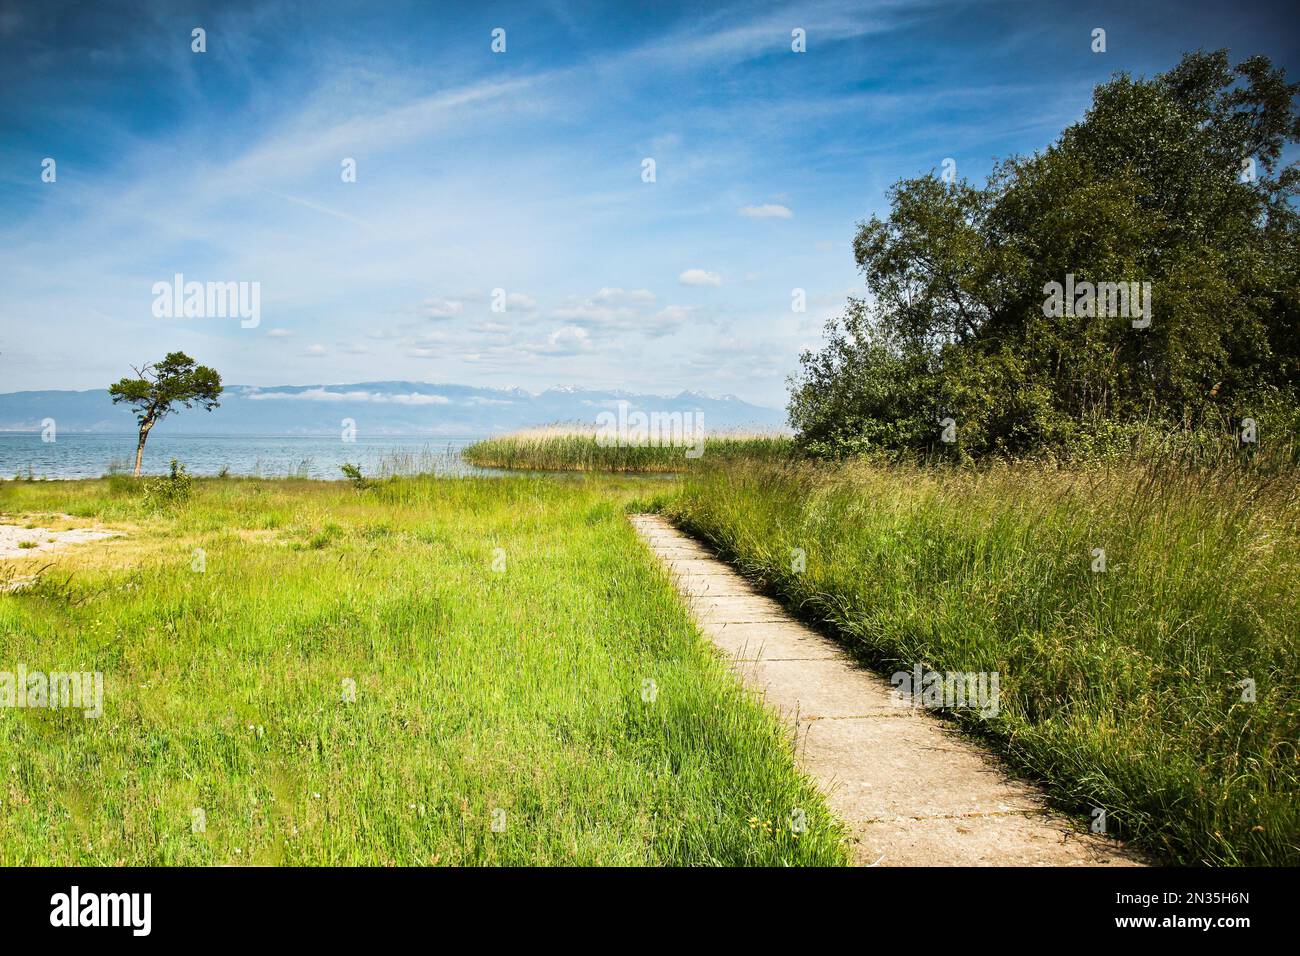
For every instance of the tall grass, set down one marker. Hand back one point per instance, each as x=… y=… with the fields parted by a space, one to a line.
x=576 y=448
x=1127 y=689
x=557 y=679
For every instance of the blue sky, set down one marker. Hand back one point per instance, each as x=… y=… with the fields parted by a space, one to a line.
x=519 y=171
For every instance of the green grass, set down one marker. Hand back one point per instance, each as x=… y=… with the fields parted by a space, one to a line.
x=522 y=689
x=1119 y=689
x=569 y=449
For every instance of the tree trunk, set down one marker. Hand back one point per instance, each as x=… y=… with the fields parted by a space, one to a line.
x=139 y=449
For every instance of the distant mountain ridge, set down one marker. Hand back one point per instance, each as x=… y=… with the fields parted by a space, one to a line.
x=378 y=408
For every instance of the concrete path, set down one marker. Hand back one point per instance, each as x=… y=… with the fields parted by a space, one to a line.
x=912 y=791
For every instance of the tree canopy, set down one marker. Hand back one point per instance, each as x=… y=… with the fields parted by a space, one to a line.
x=1174 y=181
x=160 y=387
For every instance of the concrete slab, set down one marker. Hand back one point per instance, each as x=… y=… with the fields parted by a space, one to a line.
x=736 y=609
x=826 y=687
x=915 y=769
x=1000 y=840
x=773 y=641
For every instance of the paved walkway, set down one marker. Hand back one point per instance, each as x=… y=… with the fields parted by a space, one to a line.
x=912 y=791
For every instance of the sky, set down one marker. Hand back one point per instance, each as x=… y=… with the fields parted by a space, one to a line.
x=522 y=171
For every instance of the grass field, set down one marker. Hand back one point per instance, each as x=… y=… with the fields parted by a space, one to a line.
x=515 y=649
x=557 y=679
x=1121 y=688
x=562 y=448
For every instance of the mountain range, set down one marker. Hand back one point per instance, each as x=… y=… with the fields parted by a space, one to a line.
x=378 y=408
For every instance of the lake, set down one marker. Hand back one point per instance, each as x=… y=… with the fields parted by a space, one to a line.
x=92 y=455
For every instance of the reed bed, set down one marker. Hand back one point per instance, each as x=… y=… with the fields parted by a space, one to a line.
x=578 y=448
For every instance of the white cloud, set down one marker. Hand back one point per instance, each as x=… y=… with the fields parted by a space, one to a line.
x=622 y=311
x=414 y=398
x=699 y=277
x=520 y=302
x=567 y=340
x=636 y=296
x=674 y=313
x=441 y=308
x=593 y=314
x=310 y=395
x=314 y=351
x=767 y=211
x=570 y=333
x=666 y=321
x=426 y=345
x=279 y=333
x=379 y=398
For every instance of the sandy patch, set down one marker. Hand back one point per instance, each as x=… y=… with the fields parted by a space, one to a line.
x=17 y=541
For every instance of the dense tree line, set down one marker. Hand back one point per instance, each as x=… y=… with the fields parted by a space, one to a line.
x=1014 y=309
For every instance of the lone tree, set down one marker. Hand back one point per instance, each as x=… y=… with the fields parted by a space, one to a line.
x=159 y=387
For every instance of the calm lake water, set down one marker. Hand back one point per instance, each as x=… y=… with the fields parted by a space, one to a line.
x=89 y=456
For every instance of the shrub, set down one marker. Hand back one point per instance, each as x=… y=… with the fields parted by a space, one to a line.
x=168 y=490
x=353 y=474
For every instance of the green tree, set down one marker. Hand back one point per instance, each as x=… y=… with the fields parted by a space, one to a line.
x=160 y=387
x=1175 y=181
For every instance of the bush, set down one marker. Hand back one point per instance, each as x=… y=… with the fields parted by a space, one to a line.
x=353 y=474
x=169 y=490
